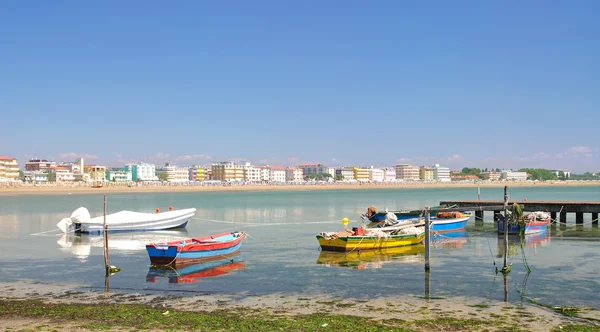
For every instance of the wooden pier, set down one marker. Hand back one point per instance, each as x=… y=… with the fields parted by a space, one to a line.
x=554 y=207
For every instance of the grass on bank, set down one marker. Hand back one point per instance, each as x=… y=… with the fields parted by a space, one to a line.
x=141 y=317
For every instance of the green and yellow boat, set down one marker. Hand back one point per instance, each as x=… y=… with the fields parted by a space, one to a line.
x=361 y=239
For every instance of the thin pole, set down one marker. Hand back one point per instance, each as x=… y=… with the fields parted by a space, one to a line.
x=105 y=239
x=505 y=228
x=478 y=194
x=426 y=239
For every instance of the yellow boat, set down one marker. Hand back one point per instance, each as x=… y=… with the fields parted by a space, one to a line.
x=343 y=241
x=366 y=259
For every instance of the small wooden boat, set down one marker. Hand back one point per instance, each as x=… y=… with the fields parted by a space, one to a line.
x=188 y=273
x=533 y=223
x=371 y=238
x=403 y=214
x=195 y=249
x=440 y=221
x=81 y=222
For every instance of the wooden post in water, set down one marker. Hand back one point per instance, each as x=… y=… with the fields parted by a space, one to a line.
x=427 y=239
x=105 y=240
x=505 y=228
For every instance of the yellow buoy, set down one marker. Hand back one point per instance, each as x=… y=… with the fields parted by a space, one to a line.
x=345 y=221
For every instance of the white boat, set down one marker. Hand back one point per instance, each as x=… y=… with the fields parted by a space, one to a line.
x=81 y=222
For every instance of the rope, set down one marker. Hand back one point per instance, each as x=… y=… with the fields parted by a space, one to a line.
x=52 y=230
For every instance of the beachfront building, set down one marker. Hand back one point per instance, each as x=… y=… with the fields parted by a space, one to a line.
x=252 y=173
x=389 y=174
x=295 y=174
x=276 y=173
x=197 y=173
x=344 y=174
x=9 y=169
x=61 y=174
x=227 y=171
x=35 y=164
x=407 y=172
x=173 y=173
x=426 y=173
x=361 y=174
x=459 y=178
x=376 y=174
x=96 y=173
x=441 y=174
x=510 y=175
x=491 y=175
x=315 y=169
x=35 y=176
x=142 y=172
x=119 y=175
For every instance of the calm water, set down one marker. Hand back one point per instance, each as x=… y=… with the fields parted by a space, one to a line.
x=282 y=254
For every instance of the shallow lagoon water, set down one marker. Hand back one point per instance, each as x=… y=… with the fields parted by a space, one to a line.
x=281 y=254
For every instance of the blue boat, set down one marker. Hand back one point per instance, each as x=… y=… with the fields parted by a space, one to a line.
x=534 y=222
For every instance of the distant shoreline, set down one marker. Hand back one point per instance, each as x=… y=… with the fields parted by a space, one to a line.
x=124 y=189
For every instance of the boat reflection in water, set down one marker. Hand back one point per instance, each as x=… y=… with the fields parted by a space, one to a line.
x=451 y=240
x=81 y=245
x=529 y=241
x=187 y=273
x=372 y=259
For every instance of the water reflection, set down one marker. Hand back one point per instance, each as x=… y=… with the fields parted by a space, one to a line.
x=450 y=240
x=530 y=241
x=81 y=245
x=372 y=259
x=189 y=273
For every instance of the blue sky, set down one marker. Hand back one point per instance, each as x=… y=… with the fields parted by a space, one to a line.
x=505 y=84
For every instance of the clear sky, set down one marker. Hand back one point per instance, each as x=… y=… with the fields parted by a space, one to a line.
x=505 y=84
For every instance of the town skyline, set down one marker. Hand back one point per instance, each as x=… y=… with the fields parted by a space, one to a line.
x=471 y=84
x=453 y=162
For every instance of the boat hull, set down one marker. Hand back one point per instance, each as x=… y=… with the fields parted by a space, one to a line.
x=192 y=251
x=350 y=243
x=447 y=225
x=534 y=227
x=134 y=222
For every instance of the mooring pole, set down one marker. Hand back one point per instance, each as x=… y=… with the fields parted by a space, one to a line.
x=505 y=228
x=105 y=240
x=478 y=194
x=426 y=239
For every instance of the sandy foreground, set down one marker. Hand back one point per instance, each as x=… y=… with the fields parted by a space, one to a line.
x=122 y=189
x=409 y=308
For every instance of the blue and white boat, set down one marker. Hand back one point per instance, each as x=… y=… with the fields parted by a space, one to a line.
x=533 y=223
x=441 y=222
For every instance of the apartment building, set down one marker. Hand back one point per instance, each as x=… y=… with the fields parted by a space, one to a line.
x=95 y=172
x=252 y=173
x=426 y=173
x=314 y=169
x=227 y=171
x=390 y=174
x=345 y=174
x=376 y=175
x=294 y=174
x=361 y=174
x=407 y=172
x=277 y=174
x=441 y=174
x=9 y=168
x=35 y=164
x=196 y=173
x=119 y=175
x=515 y=176
x=174 y=173
x=491 y=175
x=62 y=174
x=142 y=172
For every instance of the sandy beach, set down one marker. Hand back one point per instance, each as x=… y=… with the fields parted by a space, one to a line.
x=157 y=188
x=393 y=307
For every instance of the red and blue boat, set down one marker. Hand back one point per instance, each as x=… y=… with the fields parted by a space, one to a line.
x=195 y=250
x=533 y=223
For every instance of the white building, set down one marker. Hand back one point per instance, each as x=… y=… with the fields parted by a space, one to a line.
x=511 y=175
x=277 y=174
x=441 y=174
x=565 y=174
x=118 y=175
x=9 y=168
x=376 y=175
x=345 y=174
x=63 y=174
x=390 y=174
x=252 y=173
x=294 y=174
x=35 y=176
x=142 y=172
x=407 y=172
x=174 y=173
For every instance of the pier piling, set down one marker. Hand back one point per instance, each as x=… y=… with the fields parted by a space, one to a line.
x=426 y=212
x=594 y=219
x=579 y=217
